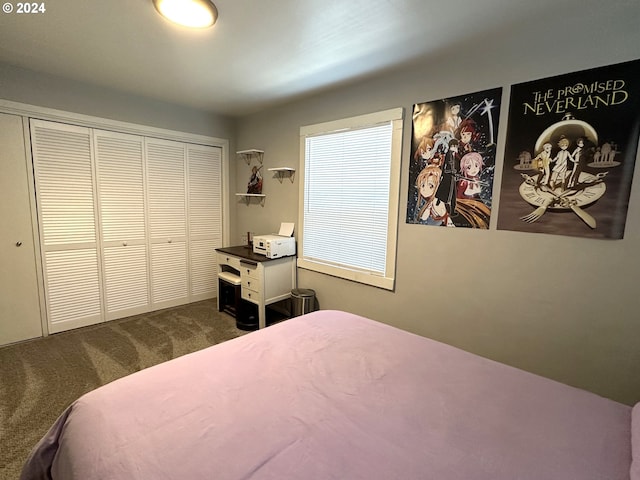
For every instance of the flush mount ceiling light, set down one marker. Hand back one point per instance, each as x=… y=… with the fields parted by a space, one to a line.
x=190 y=13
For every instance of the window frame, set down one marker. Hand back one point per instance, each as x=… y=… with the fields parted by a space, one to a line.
x=394 y=116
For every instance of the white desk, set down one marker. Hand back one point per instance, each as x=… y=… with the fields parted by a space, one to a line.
x=264 y=280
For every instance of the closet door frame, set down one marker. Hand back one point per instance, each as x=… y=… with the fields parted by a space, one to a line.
x=34 y=224
x=36 y=112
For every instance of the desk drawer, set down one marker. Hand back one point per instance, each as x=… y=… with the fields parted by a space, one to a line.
x=229 y=260
x=251 y=283
x=250 y=270
x=250 y=295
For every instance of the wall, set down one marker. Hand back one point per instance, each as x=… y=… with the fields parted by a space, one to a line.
x=33 y=88
x=42 y=90
x=578 y=323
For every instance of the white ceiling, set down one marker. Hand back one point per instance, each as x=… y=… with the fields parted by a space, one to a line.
x=259 y=53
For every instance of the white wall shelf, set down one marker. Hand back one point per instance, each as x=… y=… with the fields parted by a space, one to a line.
x=248 y=155
x=249 y=196
x=282 y=172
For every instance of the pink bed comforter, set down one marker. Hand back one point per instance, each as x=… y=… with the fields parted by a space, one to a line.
x=331 y=395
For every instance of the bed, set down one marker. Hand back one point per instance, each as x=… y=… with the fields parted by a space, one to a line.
x=332 y=395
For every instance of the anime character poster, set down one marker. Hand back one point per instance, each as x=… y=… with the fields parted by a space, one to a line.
x=255 y=181
x=571 y=146
x=453 y=160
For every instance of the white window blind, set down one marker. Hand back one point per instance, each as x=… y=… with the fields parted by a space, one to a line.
x=350 y=197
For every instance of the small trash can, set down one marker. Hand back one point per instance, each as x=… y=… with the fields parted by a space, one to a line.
x=303 y=301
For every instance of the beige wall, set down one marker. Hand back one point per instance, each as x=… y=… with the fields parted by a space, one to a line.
x=33 y=88
x=579 y=325
x=49 y=91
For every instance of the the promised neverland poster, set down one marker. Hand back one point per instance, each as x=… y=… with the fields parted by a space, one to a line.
x=572 y=142
x=453 y=160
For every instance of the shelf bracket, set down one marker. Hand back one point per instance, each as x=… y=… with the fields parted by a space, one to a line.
x=281 y=172
x=248 y=196
x=248 y=155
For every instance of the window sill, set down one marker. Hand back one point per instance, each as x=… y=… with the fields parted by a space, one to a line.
x=365 y=278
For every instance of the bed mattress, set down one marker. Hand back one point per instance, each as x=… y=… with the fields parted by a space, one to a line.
x=331 y=395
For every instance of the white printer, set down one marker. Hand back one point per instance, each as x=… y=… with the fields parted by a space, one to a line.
x=274 y=246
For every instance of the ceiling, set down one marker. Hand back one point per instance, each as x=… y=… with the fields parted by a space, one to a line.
x=259 y=54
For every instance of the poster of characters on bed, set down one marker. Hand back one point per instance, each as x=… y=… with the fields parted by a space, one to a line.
x=570 y=152
x=453 y=160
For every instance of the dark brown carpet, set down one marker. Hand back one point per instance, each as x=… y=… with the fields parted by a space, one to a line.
x=40 y=378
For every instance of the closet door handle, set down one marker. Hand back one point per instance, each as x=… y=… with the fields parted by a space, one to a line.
x=18 y=243
x=124 y=244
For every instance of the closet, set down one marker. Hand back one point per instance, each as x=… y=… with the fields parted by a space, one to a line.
x=166 y=198
x=128 y=223
x=19 y=299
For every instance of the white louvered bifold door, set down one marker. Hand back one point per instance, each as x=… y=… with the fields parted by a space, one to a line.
x=166 y=195
x=120 y=179
x=66 y=215
x=204 y=165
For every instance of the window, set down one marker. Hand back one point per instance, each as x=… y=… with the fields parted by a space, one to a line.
x=349 y=195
